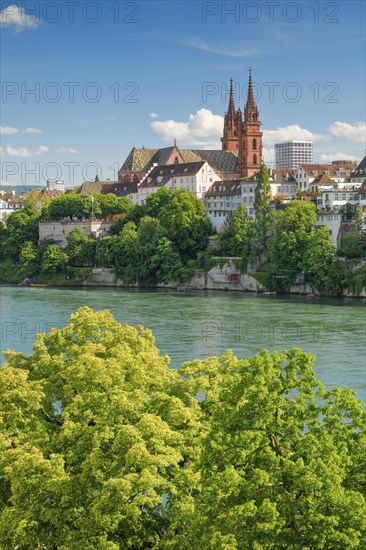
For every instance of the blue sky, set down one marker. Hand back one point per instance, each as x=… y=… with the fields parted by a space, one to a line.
x=110 y=74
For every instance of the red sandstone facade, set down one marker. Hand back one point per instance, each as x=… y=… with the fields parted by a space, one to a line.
x=244 y=136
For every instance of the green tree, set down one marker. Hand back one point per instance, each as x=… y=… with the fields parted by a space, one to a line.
x=53 y=259
x=94 y=430
x=263 y=214
x=318 y=258
x=281 y=460
x=35 y=201
x=80 y=248
x=29 y=258
x=287 y=244
x=184 y=220
x=236 y=237
x=20 y=228
x=156 y=201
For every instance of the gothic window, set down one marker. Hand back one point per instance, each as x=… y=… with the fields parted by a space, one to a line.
x=176 y=160
x=254 y=159
x=254 y=144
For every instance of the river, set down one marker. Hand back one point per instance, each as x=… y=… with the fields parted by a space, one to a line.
x=196 y=325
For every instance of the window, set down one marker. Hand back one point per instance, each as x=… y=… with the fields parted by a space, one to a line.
x=254 y=159
x=254 y=144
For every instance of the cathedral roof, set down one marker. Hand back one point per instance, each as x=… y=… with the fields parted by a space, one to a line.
x=141 y=159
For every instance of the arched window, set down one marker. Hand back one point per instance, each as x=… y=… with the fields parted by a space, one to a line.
x=254 y=159
x=254 y=144
x=176 y=160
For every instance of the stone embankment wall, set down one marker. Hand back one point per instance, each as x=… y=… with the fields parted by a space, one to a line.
x=216 y=279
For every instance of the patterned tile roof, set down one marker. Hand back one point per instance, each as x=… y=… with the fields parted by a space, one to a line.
x=141 y=160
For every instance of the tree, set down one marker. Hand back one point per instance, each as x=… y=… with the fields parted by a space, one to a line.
x=236 y=237
x=35 y=201
x=281 y=460
x=53 y=259
x=318 y=258
x=156 y=201
x=94 y=427
x=20 y=228
x=184 y=219
x=29 y=258
x=263 y=214
x=80 y=248
x=287 y=244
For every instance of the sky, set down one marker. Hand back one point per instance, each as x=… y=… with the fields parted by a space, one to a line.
x=83 y=81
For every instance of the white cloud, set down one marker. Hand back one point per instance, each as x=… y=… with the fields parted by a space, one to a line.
x=153 y=115
x=109 y=118
x=32 y=131
x=16 y=16
x=354 y=132
x=235 y=51
x=287 y=133
x=337 y=156
x=23 y=151
x=7 y=130
x=203 y=129
x=69 y=150
x=268 y=155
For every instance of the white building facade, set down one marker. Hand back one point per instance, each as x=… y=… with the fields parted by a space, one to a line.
x=195 y=177
x=290 y=154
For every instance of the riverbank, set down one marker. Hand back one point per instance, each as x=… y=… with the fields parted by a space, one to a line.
x=218 y=278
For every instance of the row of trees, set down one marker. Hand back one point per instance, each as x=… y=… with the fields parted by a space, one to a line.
x=288 y=243
x=104 y=447
x=167 y=238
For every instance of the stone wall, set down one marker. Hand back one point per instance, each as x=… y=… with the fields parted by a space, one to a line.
x=59 y=231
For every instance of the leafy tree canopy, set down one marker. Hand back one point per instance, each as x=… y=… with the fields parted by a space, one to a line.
x=94 y=428
x=102 y=446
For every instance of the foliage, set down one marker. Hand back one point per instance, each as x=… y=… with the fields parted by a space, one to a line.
x=94 y=427
x=80 y=248
x=156 y=201
x=29 y=258
x=134 y=214
x=263 y=214
x=34 y=202
x=103 y=446
x=287 y=244
x=20 y=228
x=282 y=461
x=183 y=217
x=353 y=246
x=53 y=259
x=236 y=237
x=83 y=206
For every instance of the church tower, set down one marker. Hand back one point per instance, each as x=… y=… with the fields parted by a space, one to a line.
x=230 y=137
x=250 y=137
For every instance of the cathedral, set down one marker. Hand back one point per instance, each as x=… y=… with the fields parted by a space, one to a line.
x=244 y=136
x=240 y=155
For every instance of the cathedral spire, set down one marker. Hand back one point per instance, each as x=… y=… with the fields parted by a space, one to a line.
x=251 y=112
x=231 y=109
x=250 y=100
x=229 y=139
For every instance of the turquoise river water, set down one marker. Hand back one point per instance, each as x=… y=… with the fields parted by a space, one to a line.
x=196 y=325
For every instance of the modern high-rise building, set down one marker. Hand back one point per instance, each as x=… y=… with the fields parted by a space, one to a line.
x=290 y=154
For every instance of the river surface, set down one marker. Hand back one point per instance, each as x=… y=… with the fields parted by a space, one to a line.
x=196 y=325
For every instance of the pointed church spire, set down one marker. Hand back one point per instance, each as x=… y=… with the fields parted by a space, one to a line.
x=250 y=100
x=251 y=112
x=231 y=109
